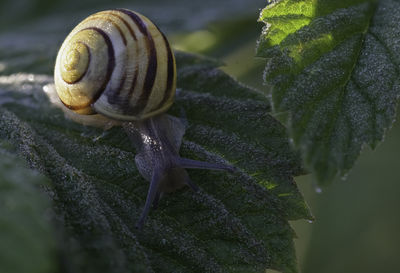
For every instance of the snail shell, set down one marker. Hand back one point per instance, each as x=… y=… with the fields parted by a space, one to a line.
x=116 y=63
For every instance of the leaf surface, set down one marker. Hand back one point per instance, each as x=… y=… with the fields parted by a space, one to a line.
x=334 y=67
x=238 y=222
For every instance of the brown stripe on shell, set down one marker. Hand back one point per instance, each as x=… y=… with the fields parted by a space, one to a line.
x=125 y=104
x=151 y=68
x=91 y=18
x=75 y=108
x=110 y=69
x=171 y=74
x=87 y=67
x=112 y=95
x=136 y=19
x=126 y=24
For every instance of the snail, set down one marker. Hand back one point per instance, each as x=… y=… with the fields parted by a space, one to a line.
x=117 y=64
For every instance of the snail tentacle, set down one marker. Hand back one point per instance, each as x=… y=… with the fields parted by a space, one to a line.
x=151 y=196
x=187 y=163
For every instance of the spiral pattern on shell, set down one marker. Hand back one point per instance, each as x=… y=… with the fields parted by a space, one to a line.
x=116 y=63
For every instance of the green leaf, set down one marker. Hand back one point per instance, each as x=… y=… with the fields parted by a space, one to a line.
x=334 y=66
x=26 y=236
x=237 y=223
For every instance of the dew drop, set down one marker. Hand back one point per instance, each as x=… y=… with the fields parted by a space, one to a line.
x=317 y=189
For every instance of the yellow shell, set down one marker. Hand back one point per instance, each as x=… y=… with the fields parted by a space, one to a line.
x=116 y=63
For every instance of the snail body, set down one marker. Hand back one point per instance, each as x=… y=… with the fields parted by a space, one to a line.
x=118 y=64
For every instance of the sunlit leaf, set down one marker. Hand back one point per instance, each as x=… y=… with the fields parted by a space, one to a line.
x=334 y=66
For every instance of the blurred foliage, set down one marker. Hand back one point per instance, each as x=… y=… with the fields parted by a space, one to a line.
x=357 y=224
x=172 y=15
x=26 y=235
